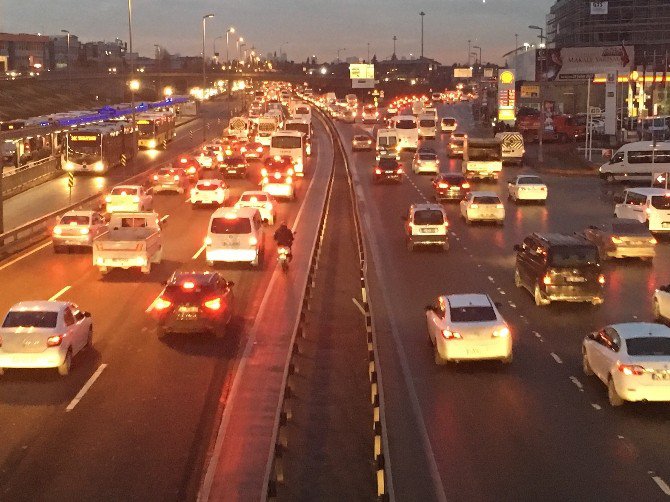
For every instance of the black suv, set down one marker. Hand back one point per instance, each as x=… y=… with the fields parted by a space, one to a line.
x=559 y=267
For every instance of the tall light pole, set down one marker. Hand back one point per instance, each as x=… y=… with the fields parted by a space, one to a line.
x=228 y=32
x=480 y=53
x=469 y=49
x=368 y=60
x=240 y=39
x=422 y=14
x=133 y=86
x=158 y=57
x=69 y=72
x=540 y=148
x=214 y=54
x=338 y=54
x=204 y=70
x=394 y=41
x=241 y=51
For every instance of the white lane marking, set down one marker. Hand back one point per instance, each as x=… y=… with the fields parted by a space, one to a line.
x=596 y=406
x=19 y=258
x=501 y=291
x=62 y=291
x=577 y=383
x=360 y=307
x=512 y=304
x=491 y=279
x=188 y=200
x=199 y=252
x=85 y=388
x=556 y=358
x=661 y=484
x=165 y=217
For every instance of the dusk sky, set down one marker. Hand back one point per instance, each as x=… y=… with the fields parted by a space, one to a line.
x=305 y=27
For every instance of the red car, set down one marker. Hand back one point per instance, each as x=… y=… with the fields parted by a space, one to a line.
x=194 y=302
x=252 y=150
x=189 y=164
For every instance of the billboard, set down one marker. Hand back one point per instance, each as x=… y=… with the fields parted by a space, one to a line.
x=462 y=72
x=506 y=95
x=530 y=91
x=361 y=71
x=582 y=63
x=362 y=83
x=599 y=8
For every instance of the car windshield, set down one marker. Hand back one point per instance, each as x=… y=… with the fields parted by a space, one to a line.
x=234 y=160
x=660 y=201
x=247 y=197
x=453 y=179
x=483 y=153
x=648 y=346
x=231 y=226
x=405 y=124
x=472 y=314
x=388 y=163
x=124 y=191
x=486 y=199
x=530 y=180
x=629 y=228
x=30 y=319
x=448 y=121
x=428 y=217
x=361 y=138
x=573 y=256
x=74 y=220
x=387 y=141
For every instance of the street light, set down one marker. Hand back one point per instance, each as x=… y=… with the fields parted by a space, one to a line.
x=422 y=14
x=204 y=66
x=228 y=32
x=480 y=53
x=158 y=68
x=540 y=149
x=167 y=92
x=69 y=72
x=132 y=62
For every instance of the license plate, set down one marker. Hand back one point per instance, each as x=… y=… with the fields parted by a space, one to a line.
x=232 y=170
x=188 y=310
x=454 y=189
x=428 y=230
x=474 y=351
x=389 y=172
x=660 y=376
x=576 y=279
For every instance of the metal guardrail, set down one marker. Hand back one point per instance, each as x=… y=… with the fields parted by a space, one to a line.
x=29 y=175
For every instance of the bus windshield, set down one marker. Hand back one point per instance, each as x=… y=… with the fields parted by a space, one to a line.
x=146 y=128
x=84 y=148
x=484 y=154
x=304 y=128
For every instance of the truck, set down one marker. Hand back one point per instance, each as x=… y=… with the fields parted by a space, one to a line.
x=239 y=128
x=559 y=127
x=482 y=158
x=512 y=147
x=132 y=240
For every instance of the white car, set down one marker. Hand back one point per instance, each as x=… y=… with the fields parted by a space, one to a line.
x=425 y=162
x=632 y=359
x=448 y=124
x=205 y=160
x=527 y=187
x=661 y=304
x=468 y=327
x=209 y=191
x=263 y=201
x=44 y=334
x=482 y=206
x=77 y=229
x=128 y=198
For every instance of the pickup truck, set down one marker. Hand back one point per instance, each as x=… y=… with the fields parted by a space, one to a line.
x=132 y=240
x=482 y=158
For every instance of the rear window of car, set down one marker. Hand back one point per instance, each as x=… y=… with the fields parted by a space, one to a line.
x=124 y=191
x=206 y=186
x=448 y=121
x=648 y=346
x=530 y=180
x=427 y=156
x=428 y=217
x=486 y=199
x=231 y=226
x=630 y=228
x=234 y=160
x=360 y=137
x=572 y=256
x=167 y=172
x=406 y=124
x=74 y=220
x=660 y=202
x=453 y=179
x=472 y=314
x=388 y=163
x=427 y=123
x=254 y=198
x=30 y=319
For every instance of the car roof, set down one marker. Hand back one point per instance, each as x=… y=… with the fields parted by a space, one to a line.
x=647 y=191
x=255 y=192
x=211 y=181
x=134 y=187
x=484 y=193
x=628 y=330
x=561 y=239
x=469 y=300
x=643 y=145
x=79 y=212
x=235 y=212
x=427 y=206
x=529 y=176
x=44 y=305
x=199 y=277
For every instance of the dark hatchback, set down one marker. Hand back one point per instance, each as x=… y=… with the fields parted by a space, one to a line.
x=387 y=169
x=559 y=267
x=450 y=186
x=194 y=302
x=236 y=165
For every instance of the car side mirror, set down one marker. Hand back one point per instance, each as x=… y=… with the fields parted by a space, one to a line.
x=517 y=248
x=86 y=314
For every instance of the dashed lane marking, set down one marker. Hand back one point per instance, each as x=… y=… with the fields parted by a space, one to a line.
x=198 y=252
x=165 y=217
x=491 y=279
x=577 y=383
x=19 y=258
x=556 y=358
x=512 y=304
x=360 y=307
x=661 y=484
x=60 y=293
x=85 y=388
x=596 y=406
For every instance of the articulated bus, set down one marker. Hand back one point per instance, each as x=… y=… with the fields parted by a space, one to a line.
x=289 y=144
x=155 y=129
x=98 y=148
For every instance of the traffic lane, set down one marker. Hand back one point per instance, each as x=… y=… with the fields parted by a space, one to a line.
x=54 y=194
x=122 y=331
x=413 y=330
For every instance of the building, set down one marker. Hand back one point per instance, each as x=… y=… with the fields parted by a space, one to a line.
x=23 y=51
x=103 y=53
x=642 y=23
x=62 y=56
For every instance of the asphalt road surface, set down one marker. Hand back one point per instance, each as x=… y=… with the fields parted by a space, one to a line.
x=142 y=429
x=537 y=429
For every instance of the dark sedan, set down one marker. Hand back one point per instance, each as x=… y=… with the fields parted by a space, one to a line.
x=450 y=186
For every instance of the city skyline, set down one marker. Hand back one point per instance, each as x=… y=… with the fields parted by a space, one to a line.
x=301 y=29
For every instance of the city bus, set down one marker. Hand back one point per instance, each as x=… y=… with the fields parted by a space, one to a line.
x=304 y=127
x=407 y=131
x=98 y=148
x=155 y=129
x=289 y=144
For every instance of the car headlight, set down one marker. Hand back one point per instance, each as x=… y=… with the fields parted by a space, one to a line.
x=69 y=166
x=99 y=166
x=152 y=143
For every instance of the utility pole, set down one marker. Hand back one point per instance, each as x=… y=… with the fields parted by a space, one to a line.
x=368 y=60
x=158 y=68
x=540 y=149
x=422 y=14
x=469 y=49
x=394 y=41
x=204 y=75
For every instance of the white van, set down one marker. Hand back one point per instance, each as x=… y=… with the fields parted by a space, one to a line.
x=239 y=128
x=637 y=161
x=407 y=131
x=235 y=235
x=512 y=147
x=646 y=205
x=417 y=107
x=387 y=142
x=427 y=126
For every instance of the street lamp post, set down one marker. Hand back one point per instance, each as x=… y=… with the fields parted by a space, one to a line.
x=422 y=14
x=368 y=60
x=214 y=54
x=69 y=70
x=239 y=40
x=158 y=66
x=395 y=38
x=228 y=32
x=133 y=87
x=540 y=147
x=469 y=49
x=204 y=69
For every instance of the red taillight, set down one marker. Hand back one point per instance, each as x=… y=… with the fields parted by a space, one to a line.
x=161 y=304
x=630 y=369
x=213 y=304
x=546 y=280
x=451 y=335
x=183 y=160
x=54 y=340
x=466 y=185
x=601 y=279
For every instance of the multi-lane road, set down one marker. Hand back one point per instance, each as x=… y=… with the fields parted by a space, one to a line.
x=134 y=419
x=537 y=429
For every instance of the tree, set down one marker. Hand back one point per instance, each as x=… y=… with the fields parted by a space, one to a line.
x=374 y=59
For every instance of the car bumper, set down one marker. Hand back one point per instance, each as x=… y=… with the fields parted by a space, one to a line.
x=231 y=255
x=176 y=323
x=572 y=294
x=482 y=175
x=168 y=187
x=388 y=177
x=476 y=215
x=73 y=240
x=361 y=146
x=125 y=263
x=428 y=239
x=279 y=189
x=125 y=208
x=475 y=350
x=632 y=252
x=426 y=168
x=531 y=195
x=449 y=195
x=49 y=358
x=207 y=200
x=637 y=392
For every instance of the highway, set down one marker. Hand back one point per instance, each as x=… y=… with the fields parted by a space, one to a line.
x=133 y=421
x=537 y=429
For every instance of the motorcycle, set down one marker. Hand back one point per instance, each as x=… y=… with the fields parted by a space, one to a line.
x=283 y=257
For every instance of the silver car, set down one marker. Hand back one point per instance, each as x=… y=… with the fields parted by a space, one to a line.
x=361 y=142
x=77 y=229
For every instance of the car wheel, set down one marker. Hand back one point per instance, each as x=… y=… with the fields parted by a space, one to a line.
x=539 y=301
x=64 y=369
x=438 y=358
x=517 y=278
x=586 y=366
x=613 y=396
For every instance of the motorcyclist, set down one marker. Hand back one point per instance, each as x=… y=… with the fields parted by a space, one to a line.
x=284 y=237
